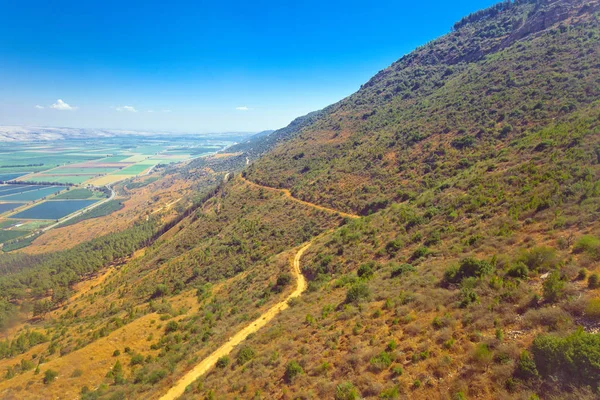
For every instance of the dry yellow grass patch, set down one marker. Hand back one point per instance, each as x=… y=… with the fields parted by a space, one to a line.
x=95 y=360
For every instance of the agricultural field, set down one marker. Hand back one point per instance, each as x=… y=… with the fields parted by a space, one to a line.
x=79 y=194
x=98 y=161
x=48 y=181
x=54 y=209
x=34 y=194
x=4 y=207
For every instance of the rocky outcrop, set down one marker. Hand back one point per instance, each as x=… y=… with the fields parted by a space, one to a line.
x=548 y=13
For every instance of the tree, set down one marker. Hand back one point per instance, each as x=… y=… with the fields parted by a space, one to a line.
x=41 y=308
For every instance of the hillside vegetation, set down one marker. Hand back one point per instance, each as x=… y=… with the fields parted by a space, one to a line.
x=463 y=260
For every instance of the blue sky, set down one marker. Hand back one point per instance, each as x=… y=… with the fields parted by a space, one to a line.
x=199 y=66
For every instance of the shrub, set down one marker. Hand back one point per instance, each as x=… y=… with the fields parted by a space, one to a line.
x=582 y=274
x=365 y=271
x=222 y=362
x=592 y=309
x=526 y=368
x=160 y=291
x=155 y=376
x=50 y=376
x=483 y=354
x=433 y=239
x=292 y=370
x=554 y=287
x=463 y=142
x=519 y=270
x=346 y=391
x=381 y=361
x=245 y=354
x=402 y=269
x=594 y=281
x=358 y=292
x=420 y=252
x=389 y=393
x=137 y=359
x=540 y=259
x=469 y=267
x=589 y=245
x=116 y=353
x=172 y=326
x=393 y=246
x=575 y=358
x=283 y=280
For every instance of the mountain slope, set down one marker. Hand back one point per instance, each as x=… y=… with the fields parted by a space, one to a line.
x=462 y=96
x=473 y=271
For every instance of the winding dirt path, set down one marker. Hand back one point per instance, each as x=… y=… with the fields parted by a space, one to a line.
x=288 y=194
x=207 y=363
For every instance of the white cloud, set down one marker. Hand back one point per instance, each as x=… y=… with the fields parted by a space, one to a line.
x=166 y=111
x=62 y=106
x=39 y=107
x=126 y=108
x=242 y=108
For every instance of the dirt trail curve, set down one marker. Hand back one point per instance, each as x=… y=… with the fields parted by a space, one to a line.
x=207 y=363
x=288 y=194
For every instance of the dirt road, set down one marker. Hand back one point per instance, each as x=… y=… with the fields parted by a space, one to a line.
x=288 y=194
x=239 y=337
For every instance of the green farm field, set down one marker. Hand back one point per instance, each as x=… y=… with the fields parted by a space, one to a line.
x=79 y=162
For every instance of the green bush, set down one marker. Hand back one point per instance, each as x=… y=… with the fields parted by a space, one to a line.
x=292 y=370
x=49 y=376
x=402 y=269
x=468 y=267
x=137 y=359
x=365 y=271
x=172 y=326
x=554 y=287
x=390 y=393
x=592 y=309
x=540 y=259
x=420 y=252
x=346 y=391
x=526 y=368
x=155 y=376
x=160 y=290
x=483 y=354
x=358 y=292
x=393 y=246
x=381 y=361
x=575 y=358
x=589 y=245
x=245 y=354
x=222 y=362
x=594 y=281
x=519 y=270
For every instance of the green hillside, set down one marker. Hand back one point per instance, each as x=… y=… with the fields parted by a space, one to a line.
x=445 y=217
